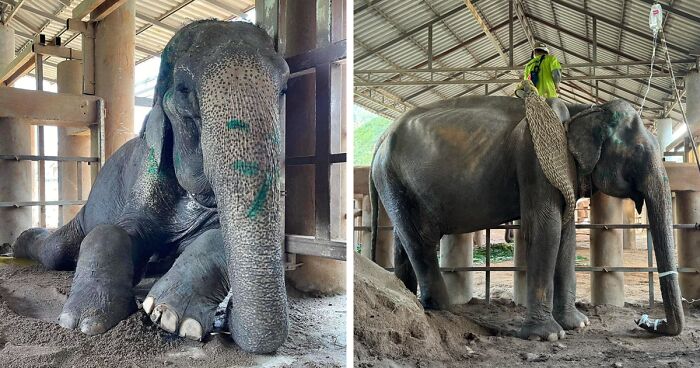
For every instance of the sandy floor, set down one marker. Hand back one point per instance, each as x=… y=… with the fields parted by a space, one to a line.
x=392 y=329
x=31 y=299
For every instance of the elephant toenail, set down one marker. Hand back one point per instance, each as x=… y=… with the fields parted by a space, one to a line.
x=67 y=320
x=92 y=326
x=155 y=315
x=148 y=304
x=562 y=334
x=552 y=337
x=191 y=329
x=168 y=321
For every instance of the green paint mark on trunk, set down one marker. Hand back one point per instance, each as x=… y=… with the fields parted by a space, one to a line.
x=261 y=197
x=237 y=124
x=247 y=168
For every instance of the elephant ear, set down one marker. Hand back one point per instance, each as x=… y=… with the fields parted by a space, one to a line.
x=586 y=134
x=154 y=131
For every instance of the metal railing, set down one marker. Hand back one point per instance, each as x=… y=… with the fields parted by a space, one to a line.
x=487 y=268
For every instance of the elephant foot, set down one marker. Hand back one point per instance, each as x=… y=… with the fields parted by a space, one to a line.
x=185 y=299
x=547 y=330
x=102 y=294
x=435 y=302
x=571 y=319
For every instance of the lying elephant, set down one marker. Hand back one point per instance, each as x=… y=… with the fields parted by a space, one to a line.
x=466 y=164
x=200 y=181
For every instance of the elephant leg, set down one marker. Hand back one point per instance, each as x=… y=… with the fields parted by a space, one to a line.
x=543 y=229
x=185 y=299
x=565 y=311
x=102 y=291
x=56 y=250
x=402 y=266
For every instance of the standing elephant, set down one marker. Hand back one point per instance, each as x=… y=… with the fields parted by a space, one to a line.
x=200 y=181
x=466 y=164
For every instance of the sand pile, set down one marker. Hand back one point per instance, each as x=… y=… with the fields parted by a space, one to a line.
x=391 y=323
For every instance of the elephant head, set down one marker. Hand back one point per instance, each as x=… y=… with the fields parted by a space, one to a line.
x=610 y=143
x=215 y=123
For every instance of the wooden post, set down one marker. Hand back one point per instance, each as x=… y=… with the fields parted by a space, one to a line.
x=519 y=260
x=606 y=250
x=366 y=238
x=688 y=212
x=457 y=250
x=629 y=236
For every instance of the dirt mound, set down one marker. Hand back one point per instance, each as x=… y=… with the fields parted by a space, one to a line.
x=390 y=323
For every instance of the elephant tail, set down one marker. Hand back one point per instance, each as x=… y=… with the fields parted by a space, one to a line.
x=374 y=200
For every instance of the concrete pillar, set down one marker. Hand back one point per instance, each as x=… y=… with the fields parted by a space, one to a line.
x=114 y=74
x=456 y=250
x=629 y=236
x=479 y=237
x=519 y=260
x=688 y=212
x=366 y=238
x=692 y=109
x=71 y=141
x=16 y=182
x=664 y=132
x=606 y=250
x=384 y=254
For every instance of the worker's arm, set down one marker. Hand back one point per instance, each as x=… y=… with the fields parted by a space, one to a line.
x=555 y=67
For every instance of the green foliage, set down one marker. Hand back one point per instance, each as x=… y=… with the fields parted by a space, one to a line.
x=581 y=261
x=366 y=135
x=500 y=252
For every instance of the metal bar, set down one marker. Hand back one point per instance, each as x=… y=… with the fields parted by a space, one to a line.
x=39 y=71
x=508 y=80
x=47 y=158
x=578 y=269
x=650 y=263
x=430 y=47
x=318 y=56
x=311 y=160
x=578 y=226
x=79 y=178
x=40 y=203
x=514 y=68
x=510 y=33
x=322 y=152
x=13 y=11
x=488 y=266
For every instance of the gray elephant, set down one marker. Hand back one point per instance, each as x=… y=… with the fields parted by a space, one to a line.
x=466 y=164
x=200 y=182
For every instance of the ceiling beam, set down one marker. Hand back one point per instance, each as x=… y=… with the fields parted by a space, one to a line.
x=236 y=11
x=485 y=29
x=156 y=22
x=616 y=24
x=671 y=10
x=409 y=33
x=15 y=7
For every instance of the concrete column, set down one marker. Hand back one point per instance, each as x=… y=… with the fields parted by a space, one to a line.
x=384 y=254
x=692 y=109
x=629 y=236
x=688 y=212
x=606 y=250
x=519 y=260
x=664 y=132
x=114 y=74
x=456 y=250
x=479 y=237
x=72 y=141
x=16 y=182
x=366 y=238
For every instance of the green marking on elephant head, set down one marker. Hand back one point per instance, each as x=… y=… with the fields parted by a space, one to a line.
x=275 y=137
x=237 y=124
x=261 y=196
x=151 y=162
x=177 y=159
x=247 y=168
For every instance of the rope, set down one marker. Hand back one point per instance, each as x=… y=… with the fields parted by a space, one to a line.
x=651 y=72
x=551 y=147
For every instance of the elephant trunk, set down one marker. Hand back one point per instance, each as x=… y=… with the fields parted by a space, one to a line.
x=241 y=152
x=657 y=196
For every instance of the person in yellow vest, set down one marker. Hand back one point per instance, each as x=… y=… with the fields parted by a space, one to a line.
x=544 y=71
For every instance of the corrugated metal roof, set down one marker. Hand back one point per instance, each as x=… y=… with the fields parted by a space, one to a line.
x=559 y=23
x=48 y=17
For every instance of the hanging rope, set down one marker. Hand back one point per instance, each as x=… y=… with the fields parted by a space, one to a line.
x=651 y=72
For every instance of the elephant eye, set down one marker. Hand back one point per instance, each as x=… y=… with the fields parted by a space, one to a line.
x=183 y=88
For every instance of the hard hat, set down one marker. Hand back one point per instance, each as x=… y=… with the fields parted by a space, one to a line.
x=541 y=46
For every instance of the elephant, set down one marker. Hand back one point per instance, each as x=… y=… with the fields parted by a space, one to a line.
x=200 y=182
x=465 y=164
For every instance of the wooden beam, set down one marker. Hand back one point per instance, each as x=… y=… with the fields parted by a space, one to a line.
x=58 y=51
x=13 y=11
x=683 y=177
x=105 y=9
x=46 y=108
x=86 y=7
x=20 y=66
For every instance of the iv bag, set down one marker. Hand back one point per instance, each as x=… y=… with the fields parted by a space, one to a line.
x=655 y=18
